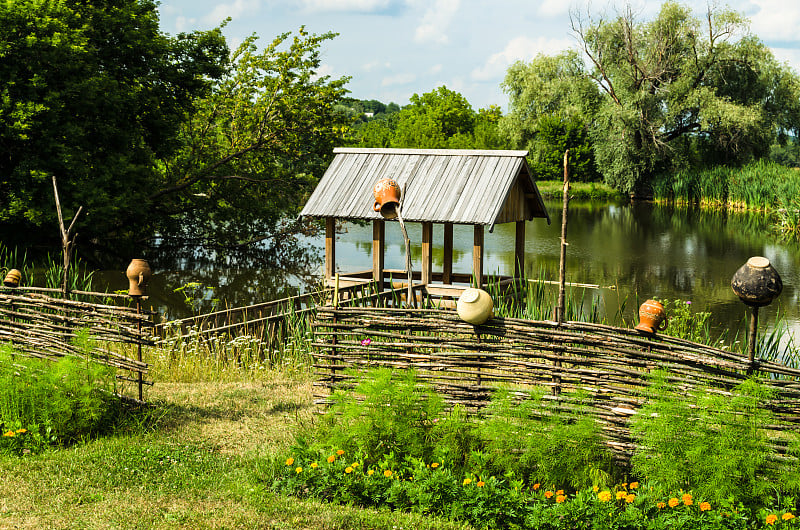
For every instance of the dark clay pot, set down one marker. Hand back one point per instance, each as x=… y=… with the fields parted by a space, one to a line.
x=138 y=274
x=756 y=283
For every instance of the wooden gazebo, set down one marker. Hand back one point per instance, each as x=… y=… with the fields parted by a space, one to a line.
x=447 y=186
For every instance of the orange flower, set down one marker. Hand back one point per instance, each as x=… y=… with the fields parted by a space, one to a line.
x=434 y=465
x=771 y=518
x=560 y=492
x=787 y=516
x=340 y=452
x=331 y=459
x=289 y=461
x=548 y=494
x=560 y=498
x=480 y=484
x=536 y=486
x=673 y=502
x=348 y=470
x=604 y=496
x=298 y=470
x=371 y=472
x=687 y=499
x=621 y=495
x=314 y=465
x=387 y=473
x=595 y=488
x=704 y=506
x=661 y=505
x=633 y=485
x=630 y=498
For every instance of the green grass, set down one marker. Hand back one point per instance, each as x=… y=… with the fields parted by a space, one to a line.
x=554 y=189
x=192 y=462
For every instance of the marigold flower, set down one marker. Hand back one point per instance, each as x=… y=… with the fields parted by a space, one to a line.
x=560 y=492
x=9 y=433
x=331 y=459
x=595 y=488
x=434 y=465
x=630 y=498
x=480 y=484
x=560 y=498
x=371 y=472
x=340 y=452
x=548 y=494
x=633 y=485
x=705 y=506
x=536 y=486
x=298 y=470
x=673 y=502
x=354 y=464
x=661 y=505
x=348 y=470
x=387 y=473
x=22 y=431
x=687 y=499
x=771 y=518
x=621 y=495
x=314 y=465
x=787 y=516
x=604 y=496
x=289 y=461
x=467 y=481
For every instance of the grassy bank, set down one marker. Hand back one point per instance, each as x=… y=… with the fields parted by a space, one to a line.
x=582 y=191
x=192 y=462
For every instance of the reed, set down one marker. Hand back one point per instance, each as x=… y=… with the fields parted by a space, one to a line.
x=47 y=271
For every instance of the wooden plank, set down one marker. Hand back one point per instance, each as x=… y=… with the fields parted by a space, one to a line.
x=477 y=255
x=447 y=260
x=378 y=251
x=439 y=152
x=330 y=247
x=427 y=252
x=519 y=250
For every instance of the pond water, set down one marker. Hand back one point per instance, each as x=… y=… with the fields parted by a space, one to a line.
x=632 y=252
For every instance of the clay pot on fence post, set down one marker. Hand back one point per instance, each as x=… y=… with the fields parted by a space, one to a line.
x=13 y=278
x=387 y=198
x=138 y=274
x=652 y=317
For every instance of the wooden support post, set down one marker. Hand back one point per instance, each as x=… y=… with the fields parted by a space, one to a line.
x=519 y=251
x=477 y=256
x=447 y=261
x=330 y=248
x=378 y=252
x=427 y=252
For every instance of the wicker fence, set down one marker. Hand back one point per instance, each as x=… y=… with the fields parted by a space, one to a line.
x=43 y=323
x=466 y=363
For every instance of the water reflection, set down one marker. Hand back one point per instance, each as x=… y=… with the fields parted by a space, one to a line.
x=644 y=250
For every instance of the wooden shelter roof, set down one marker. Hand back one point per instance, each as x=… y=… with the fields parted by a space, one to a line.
x=439 y=185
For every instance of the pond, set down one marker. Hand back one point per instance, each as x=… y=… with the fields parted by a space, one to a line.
x=632 y=252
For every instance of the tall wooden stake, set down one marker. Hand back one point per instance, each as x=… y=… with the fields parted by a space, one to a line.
x=66 y=241
x=562 y=268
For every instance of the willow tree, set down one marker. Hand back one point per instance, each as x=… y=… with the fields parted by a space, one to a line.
x=681 y=90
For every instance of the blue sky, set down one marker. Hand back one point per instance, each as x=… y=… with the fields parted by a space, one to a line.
x=395 y=48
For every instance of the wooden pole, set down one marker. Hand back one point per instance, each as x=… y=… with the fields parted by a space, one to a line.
x=330 y=248
x=447 y=259
x=562 y=267
x=66 y=241
x=519 y=250
x=427 y=252
x=378 y=252
x=751 y=339
x=477 y=256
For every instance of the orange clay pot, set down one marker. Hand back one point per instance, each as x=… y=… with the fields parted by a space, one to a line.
x=652 y=317
x=138 y=274
x=387 y=198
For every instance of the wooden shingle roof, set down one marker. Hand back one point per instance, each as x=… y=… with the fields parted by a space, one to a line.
x=439 y=185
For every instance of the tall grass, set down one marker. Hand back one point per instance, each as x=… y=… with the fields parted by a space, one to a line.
x=47 y=271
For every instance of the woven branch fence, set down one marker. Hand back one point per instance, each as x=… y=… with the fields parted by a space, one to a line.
x=466 y=363
x=43 y=323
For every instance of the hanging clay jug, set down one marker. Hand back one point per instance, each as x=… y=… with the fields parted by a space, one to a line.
x=475 y=306
x=138 y=274
x=13 y=278
x=756 y=282
x=387 y=198
x=652 y=317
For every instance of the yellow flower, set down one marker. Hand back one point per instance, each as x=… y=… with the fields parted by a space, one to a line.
x=661 y=505
x=687 y=499
x=604 y=496
x=289 y=461
x=348 y=470
x=673 y=502
x=340 y=452
x=387 y=473
x=630 y=498
x=595 y=488
x=314 y=465
x=331 y=459
x=620 y=495
x=560 y=498
x=787 y=516
x=22 y=431
x=548 y=494
x=434 y=465
x=771 y=518
x=633 y=485
x=298 y=470
x=9 y=433
x=480 y=484
x=704 y=506
x=536 y=486
x=355 y=464
x=371 y=472
x=560 y=492
x=467 y=481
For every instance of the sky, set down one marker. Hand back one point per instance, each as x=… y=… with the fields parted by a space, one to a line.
x=393 y=49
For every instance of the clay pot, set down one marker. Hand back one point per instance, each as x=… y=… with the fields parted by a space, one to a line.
x=475 y=306
x=652 y=317
x=387 y=198
x=13 y=278
x=756 y=283
x=138 y=274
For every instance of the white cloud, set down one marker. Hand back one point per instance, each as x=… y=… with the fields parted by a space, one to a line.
x=376 y=65
x=235 y=10
x=519 y=48
x=791 y=56
x=398 y=79
x=776 y=19
x=435 y=69
x=551 y=8
x=436 y=21
x=184 y=24
x=346 y=6
x=323 y=70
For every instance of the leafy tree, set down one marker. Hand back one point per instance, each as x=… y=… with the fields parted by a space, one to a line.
x=93 y=93
x=678 y=88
